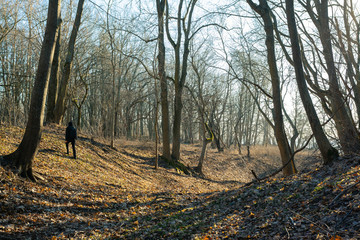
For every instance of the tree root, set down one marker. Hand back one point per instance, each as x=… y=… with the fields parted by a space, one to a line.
x=7 y=162
x=199 y=171
x=28 y=174
x=177 y=165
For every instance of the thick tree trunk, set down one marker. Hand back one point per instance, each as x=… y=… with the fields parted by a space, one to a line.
x=22 y=158
x=216 y=131
x=60 y=103
x=328 y=153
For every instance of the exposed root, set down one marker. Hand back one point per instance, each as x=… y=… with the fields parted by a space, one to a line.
x=177 y=165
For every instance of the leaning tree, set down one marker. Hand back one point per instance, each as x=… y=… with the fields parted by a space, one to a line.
x=264 y=11
x=23 y=156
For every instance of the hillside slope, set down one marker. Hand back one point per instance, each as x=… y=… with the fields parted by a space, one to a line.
x=117 y=194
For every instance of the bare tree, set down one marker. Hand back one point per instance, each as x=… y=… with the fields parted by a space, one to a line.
x=264 y=11
x=183 y=24
x=113 y=75
x=199 y=68
x=59 y=110
x=22 y=158
x=349 y=45
x=328 y=153
x=348 y=135
x=54 y=80
x=160 y=5
x=8 y=14
x=81 y=89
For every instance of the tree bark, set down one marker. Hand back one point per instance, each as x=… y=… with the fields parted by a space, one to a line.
x=60 y=103
x=180 y=68
x=22 y=158
x=160 y=4
x=112 y=112
x=348 y=135
x=200 y=165
x=54 y=80
x=352 y=63
x=264 y=11
x=328 y=153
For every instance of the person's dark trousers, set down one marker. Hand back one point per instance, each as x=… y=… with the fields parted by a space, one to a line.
x=73 y=147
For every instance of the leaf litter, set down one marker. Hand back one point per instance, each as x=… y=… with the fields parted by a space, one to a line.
x=116 y=194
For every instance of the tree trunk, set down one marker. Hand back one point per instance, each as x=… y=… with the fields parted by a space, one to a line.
x=177 y=124
x=156 y=108
x=54 y=80
x=60 y=103
x=163 y=84
x=352 y=72
x=22 y=158
x=348 y=135
x=328 y=153
x=200 y=165
x=264 y=11
x=113 y=77
x=180 y=68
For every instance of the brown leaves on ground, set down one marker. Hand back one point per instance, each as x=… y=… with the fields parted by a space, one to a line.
x=116 y=194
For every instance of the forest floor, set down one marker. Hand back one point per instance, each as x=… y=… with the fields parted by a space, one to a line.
x=117 y=194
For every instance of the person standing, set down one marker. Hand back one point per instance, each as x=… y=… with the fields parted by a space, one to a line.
x=70 y=136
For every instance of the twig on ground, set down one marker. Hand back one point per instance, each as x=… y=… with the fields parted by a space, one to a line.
x=315 y=224
x=253 y=173
x=342 y=193
x=280 y=169
x=287 y=232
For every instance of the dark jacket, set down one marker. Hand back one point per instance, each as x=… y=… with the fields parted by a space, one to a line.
x=70 y=133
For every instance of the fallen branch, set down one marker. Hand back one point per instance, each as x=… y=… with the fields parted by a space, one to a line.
x=280 y=169
x=315 y=223
x=253 y=173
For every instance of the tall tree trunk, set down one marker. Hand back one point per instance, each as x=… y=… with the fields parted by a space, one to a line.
x=156 y=108
x=177 y=124
x=264 y=11
x=351 y=64
x=163 y=84
x=328 y=153
x=54 y=80
x=354 y=64
x=60 y=103
x=180 y=67
x=113 y=77
x=348 y=135
x=22 y=158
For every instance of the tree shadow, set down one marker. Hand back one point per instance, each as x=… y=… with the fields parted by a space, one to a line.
x=83 y=213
